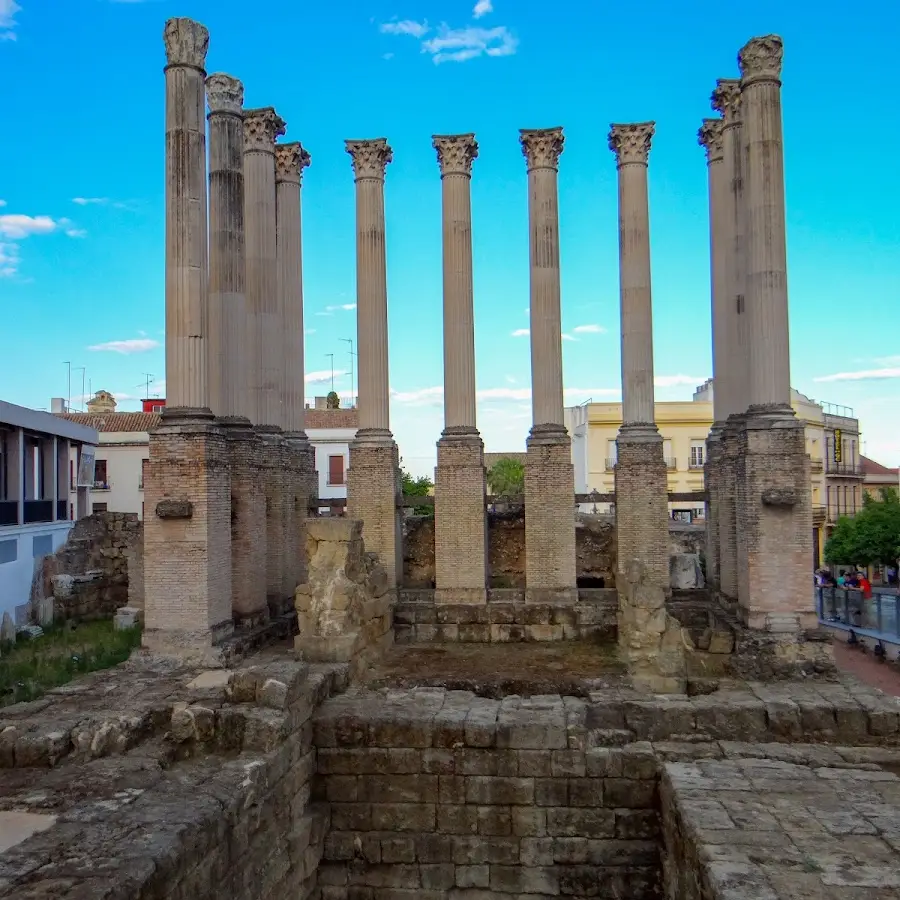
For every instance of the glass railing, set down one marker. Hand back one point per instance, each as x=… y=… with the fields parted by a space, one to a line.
x=877 y=616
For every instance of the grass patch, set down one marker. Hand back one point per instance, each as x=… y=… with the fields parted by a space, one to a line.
x=29 y=668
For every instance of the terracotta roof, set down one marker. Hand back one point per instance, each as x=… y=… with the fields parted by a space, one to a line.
x=115 y=422
x=870 y=467
x=332 y=418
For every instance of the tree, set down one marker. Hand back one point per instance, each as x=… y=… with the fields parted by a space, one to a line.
x=872 y=536
x=332 y=401
x=507 y=477
x=417 y=487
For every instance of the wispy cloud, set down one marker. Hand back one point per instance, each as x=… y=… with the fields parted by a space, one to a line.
x=433 y=396
x=90 y=201
x=482 y=8
x=405 y=26
x=521 y=332
x=8 y=10
x=134 y=345
x=864 y=375
x=568 y=337
x=9 y=259
x=17 y=227
x=589 y=329
x=340 y=307
x=324 y=376
x=462 y=44
x=664 y=381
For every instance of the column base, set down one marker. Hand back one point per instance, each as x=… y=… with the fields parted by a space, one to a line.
x=550 y=569
x=774 y=523
x=274 y=468
x=373 y=491
x=642 y=505
x=460 y=526
x=187 y=537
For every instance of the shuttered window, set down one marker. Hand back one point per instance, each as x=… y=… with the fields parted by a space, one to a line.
x=335 y=469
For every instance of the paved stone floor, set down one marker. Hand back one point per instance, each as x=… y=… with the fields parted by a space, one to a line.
x=766 y=829
x=882 y=675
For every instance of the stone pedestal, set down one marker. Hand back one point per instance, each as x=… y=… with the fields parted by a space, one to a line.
x=642 y=505
x=460 y=533
x=302 y=484
x=276 y=481
x=187 y=539
x=248 y=525
x=550 y=570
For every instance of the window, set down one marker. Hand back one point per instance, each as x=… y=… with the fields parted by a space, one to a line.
x=100 y=480
x=99 y=507
x=699 y=512
x=72 y=475
x=611 y=454
x=698 y=451
x=336 y=470
x=157 y=408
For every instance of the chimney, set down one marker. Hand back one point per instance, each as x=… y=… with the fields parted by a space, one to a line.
x=321 y=403
x=58 y=405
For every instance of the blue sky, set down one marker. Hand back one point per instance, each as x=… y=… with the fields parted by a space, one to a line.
x=81 y=157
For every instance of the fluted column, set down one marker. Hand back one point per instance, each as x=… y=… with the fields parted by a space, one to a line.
x=227 y=302
x=542 y=148
x=460 y=534
x=640 y=472
x=369 y=161
x=261 y=127
x=710 y=138
x=187 y=265
x=766 y=289
x=726 y=99
x=373 y=479
x=290 y=161
x=631 y=144
x=455 y=155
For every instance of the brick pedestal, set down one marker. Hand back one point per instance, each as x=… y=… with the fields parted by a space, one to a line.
x=248 y=525
x=549 y=517
x=727 y=516
x=301 y=471
x=274 y=477
x=460 y=528
x=774 y=514
x=373 y=487
x=642 y=508
x=187 y=538
x=712 y=474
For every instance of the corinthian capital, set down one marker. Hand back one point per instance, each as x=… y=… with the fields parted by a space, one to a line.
x=542 y=147
x=261 y=127
x=186 y=43
x=224 y=94
x=726 y=99
x=290 y=161
x=760 y=58
x=631 y=143
x=710 y=138
x=369 y=157
x=455 y=152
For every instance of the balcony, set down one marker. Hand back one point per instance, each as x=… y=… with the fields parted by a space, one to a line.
x=819 y=514
x=816 y=465
x=610 y=464
x=696 y=465
x=671 y=463
x=100 y=486
x=851 y=469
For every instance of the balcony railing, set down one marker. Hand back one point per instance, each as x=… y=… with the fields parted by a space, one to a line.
x=819 y=514
x=9 y=512
x=610 y=463
x=100 y=486
x=843 y=468
x=695 y=464
x=38 y=511
x=816 y=465
x=671 y=462
x=877 y=617
x=835 y=513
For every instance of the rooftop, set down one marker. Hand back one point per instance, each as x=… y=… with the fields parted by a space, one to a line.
x=46 y=423
x=114 y=422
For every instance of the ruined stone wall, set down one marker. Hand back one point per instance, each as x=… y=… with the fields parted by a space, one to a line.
x=88 y=577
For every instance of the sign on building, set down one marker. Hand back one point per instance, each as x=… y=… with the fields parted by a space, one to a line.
x=86 y=467
x=838 y=445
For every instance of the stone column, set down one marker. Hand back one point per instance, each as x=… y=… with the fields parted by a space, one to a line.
x=460 y=542
x=261 y=127
x=290 y=161
x=229 y=356
x=640 y=473
x=550 y=573
x=710 y=138
x=774 y=500
x=373 y=478
x=730 y=409
x=188 y=486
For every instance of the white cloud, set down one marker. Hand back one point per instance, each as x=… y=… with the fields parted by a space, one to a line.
x=864 y=375
x=589 y=329
x=15 y=225
x=90 y=201
x=521 y=332
x=461 y=44
x=664 y=381
x=406 y=26
x=310 y=331
x=324 y=376
x=133 y=345
x=510 y=380
x=331 y=310
x=433 y=396
x=8 y=10
x=9 y=259
x=568 y=337
x=482 y=8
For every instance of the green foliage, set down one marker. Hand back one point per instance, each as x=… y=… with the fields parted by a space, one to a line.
x=29 y=668
x=872 y=536
x=332 y=401
x=417 y=487
x=507 y=477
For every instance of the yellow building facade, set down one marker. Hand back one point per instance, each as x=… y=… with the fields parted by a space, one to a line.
x=685 y=426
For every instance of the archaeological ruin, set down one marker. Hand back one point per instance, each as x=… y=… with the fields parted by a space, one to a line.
x=317 y=713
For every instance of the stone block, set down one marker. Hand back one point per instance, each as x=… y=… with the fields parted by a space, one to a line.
x=127 y=617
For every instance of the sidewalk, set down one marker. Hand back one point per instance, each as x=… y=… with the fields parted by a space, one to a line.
x=882 y=675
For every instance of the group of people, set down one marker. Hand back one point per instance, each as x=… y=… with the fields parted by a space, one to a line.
x=852 y=579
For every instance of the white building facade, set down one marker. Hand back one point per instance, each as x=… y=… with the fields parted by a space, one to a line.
x=40 y=493
x=331 y=431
